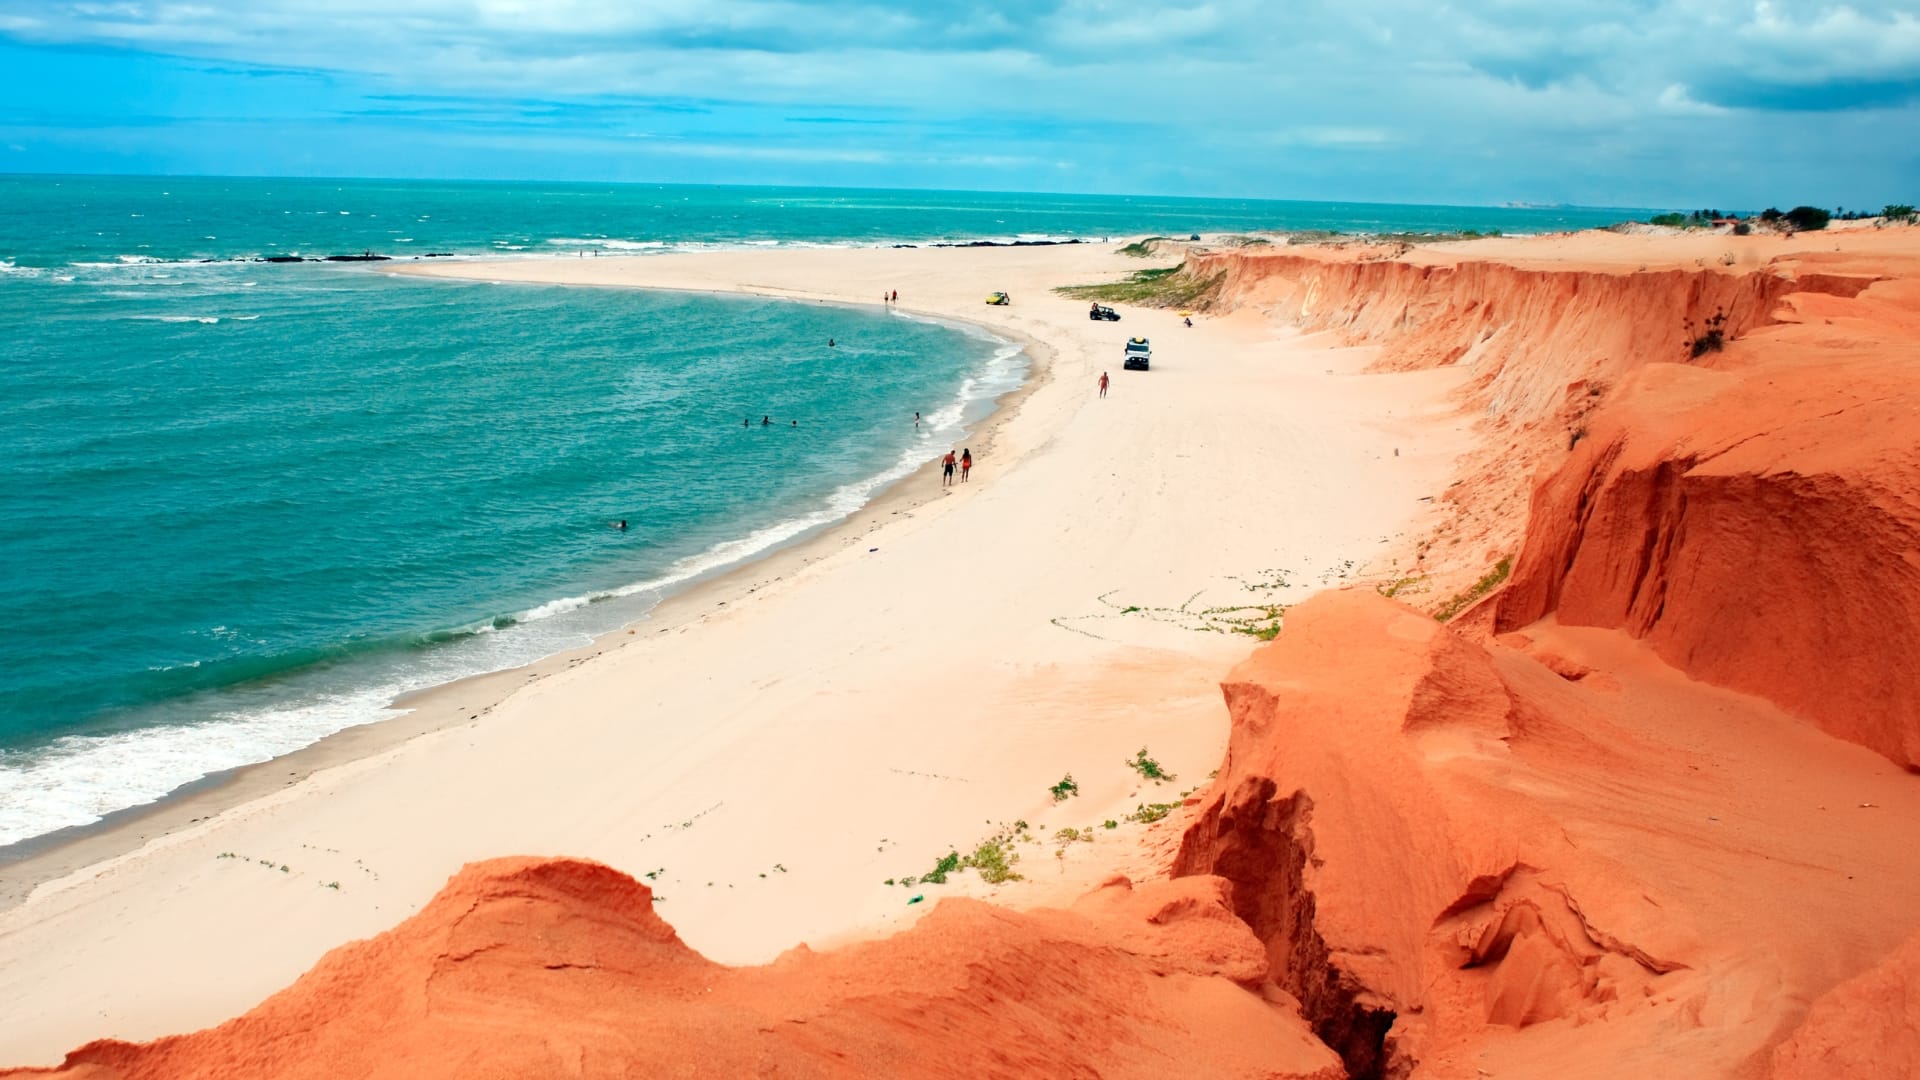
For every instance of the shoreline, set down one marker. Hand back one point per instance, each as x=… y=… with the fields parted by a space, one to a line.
x=27 y=864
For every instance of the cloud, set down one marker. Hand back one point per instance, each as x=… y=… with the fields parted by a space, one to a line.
x=1390 y=98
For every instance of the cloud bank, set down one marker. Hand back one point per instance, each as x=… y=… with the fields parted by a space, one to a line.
x=1641 y=102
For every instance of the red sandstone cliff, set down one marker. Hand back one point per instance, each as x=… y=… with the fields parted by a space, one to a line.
x=1753 y=511
x=543 y=968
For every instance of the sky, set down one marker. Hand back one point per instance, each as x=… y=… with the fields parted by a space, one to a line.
x=1649 y=103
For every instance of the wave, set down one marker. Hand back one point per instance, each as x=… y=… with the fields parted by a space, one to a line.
x=79 y=779
x=203 y=320
x=607 y=243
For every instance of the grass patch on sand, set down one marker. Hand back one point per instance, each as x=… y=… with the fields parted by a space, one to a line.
x=1142 y=248
x=1487 y=583
x=1166 y=286
x=1408 y=584
x=1065 y=789
x=1148 y=813
x=993 y=858
x=1148 y=768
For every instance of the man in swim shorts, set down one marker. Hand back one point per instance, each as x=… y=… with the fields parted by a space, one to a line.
x=946 y=470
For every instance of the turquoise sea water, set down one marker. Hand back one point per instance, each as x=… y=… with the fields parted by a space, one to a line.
x=244 y=504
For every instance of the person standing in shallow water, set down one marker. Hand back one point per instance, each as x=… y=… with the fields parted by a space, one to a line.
x=946 y=470
x=966 y=464
x=1103 y=384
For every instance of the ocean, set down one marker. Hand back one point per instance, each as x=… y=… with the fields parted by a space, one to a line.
x=245 y=504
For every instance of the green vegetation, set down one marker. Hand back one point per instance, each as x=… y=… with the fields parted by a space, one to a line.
x=1397 y=586
x=1166 y=286
x=1109 y=824
x=1808 y=218
x=1673 y=220
x=1260 y=620
x=1898 y=212
x=993 y=858
x=1148 y=768
x=1485 y=585
x=1148 y=813
x=1065 y=789
x=1141 y=249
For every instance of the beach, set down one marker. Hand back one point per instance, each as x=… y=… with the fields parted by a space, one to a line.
x=770 y=748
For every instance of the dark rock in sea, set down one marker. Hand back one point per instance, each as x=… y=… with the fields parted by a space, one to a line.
x=438 y=255
x=368 y=257
x=1010 y=243
x=283 y=258
x=906 y=245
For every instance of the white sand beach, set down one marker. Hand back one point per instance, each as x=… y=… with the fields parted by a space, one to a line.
x=769 y=749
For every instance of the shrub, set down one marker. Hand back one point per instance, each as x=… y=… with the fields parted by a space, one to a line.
x=1675 y=220
x=1741 y=228
x=1711 y=338
x=1148 y=768
x=1808 y=218
x=1897 y=212
x=1065 y=789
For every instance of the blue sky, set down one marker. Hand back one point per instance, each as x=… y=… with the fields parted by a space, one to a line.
x=1624 y=103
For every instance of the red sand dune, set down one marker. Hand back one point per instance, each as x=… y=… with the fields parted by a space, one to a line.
x=1601 y=826
x=543 y=968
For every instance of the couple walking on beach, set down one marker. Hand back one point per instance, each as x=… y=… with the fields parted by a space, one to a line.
x=947 y=465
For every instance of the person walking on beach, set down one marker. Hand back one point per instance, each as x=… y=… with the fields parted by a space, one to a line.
x=966 y=464
x=894 y=296
x=1103 y=384
x=946 y=470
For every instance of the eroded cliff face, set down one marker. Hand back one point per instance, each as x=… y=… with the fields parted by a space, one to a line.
x=1752 y=510
x=1757 y=521
x=1550 y=854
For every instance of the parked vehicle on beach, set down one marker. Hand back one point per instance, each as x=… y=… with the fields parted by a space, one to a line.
x=998 y=299
x=1100 y=312
x=1138 y=355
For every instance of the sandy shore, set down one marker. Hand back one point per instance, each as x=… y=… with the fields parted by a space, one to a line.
x=768 y=750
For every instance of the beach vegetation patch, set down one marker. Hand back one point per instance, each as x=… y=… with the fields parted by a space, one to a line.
x=1165 y=286
x=1065 y=789
x=1488 y=582
x=1143 y=248
x=1408 y=584
x=992 y=858
x=1148 y=768
x=1148 y=813
x=1899 y=213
